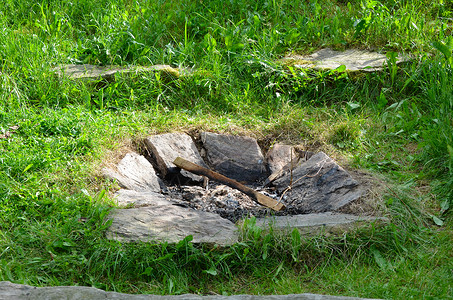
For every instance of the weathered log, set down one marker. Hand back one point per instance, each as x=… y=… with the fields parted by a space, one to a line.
x=196 y=169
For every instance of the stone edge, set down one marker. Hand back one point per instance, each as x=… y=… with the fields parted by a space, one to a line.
x=12 y=291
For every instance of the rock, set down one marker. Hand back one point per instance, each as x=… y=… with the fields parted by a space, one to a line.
x=108 y=72
x=301 y=156
x=12 y=291
x=318 y=185
x=135 y=172
x=170 y=223
x=166 y=147
x=315 y=224
x=132 y=198
x=354 y=60
x=167 y=71
x=236 y=157
x=279 y=156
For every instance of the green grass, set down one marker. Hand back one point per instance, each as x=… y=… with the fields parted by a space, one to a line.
x=396 y=123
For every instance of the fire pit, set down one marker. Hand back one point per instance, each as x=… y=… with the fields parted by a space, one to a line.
x=161 y=188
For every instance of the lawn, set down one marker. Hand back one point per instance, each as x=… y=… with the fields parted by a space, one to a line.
x=56 y=134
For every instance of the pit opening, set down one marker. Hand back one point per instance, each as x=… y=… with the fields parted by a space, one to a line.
x=304 y=181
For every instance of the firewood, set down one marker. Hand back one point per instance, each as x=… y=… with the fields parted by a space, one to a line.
x=198 y=170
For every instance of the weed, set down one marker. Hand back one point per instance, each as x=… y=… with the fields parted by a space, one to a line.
x=345 y=136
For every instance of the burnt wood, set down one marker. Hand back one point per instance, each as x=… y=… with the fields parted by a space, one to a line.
x=198 y=170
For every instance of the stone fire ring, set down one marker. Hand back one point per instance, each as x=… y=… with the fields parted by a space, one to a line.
x=150 y=214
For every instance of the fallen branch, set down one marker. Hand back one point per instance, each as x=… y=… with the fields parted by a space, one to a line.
x=198 y=170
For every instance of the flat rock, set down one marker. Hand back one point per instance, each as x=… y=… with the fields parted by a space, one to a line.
x=236 y=157
x=131 y=198
x=87 y=71
x=166 y=147
x=12 y=291
x=170 y=223
x=134 y=172
x=315 y=224
x=279 y=156
x=328 y=59
x=318 y=185
x=279 y=171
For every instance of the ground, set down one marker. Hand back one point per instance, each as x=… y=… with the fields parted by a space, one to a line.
x=394 y=124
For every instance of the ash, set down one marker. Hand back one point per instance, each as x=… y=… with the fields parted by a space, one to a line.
x=229 y=203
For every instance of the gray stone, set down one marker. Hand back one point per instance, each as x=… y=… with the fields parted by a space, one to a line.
x=354 y=60
x=236 y=157
x=108 y=72
x=134 y=172
x=130 y=198
x=166 y=147
x=12 y=291
x=318 y=185
x=314 y=224
x=279 y=156
x=170 y=223
x=301 y=157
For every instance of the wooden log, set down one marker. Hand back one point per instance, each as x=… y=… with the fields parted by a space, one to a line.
x=198 y=170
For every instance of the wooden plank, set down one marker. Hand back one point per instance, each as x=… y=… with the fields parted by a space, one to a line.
x=196 y=169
